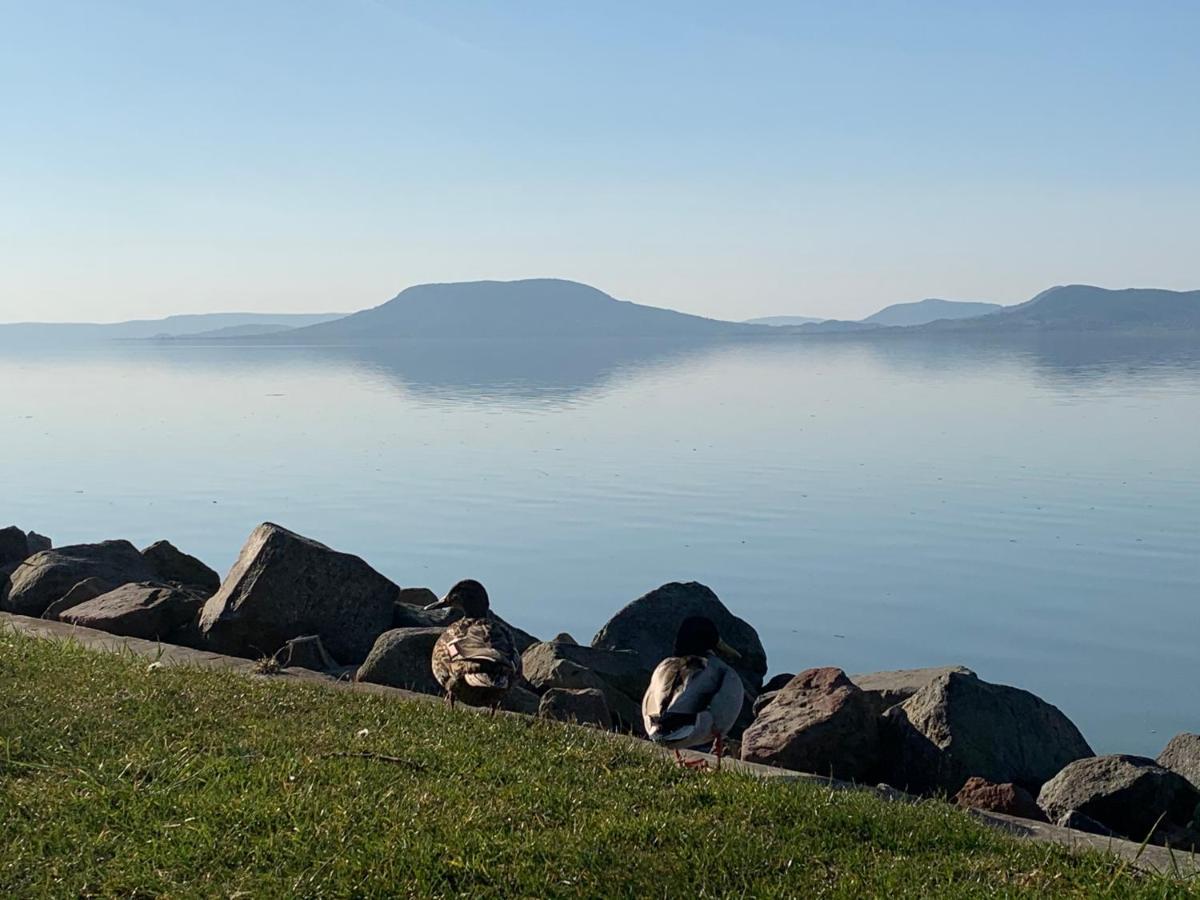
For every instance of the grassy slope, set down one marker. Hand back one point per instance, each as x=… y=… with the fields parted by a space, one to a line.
x=115 y=779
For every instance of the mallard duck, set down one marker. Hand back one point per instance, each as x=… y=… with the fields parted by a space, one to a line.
x=476 y=658
x=694 y=698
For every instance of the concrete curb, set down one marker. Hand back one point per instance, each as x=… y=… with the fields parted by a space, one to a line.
x=1148 y=858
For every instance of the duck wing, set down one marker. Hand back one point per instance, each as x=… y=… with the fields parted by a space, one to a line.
x=681 y=689
x=481 y=652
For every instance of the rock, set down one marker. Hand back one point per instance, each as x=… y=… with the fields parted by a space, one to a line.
x=88 y=589
x=622 y=669
x=648 y=625
x=284 y=586
x=1010 y=799
x=887 y=689
x=408 y=615
x=548 y=665
x=1077 y=821
x=776 y=682
x=820 y=722
x=1177 y=837
x=563 y=638
x=37 y=542
x=401 y=658
x=14 y=545
x=521 y=700
x=50 y=574
x=763 y=700
x=306 y=653
x=1182 y=756
x=177 y=567
x=958 y=725
x=1125 y=793
x=584 y=706
x=418 y=596
x=142 y=610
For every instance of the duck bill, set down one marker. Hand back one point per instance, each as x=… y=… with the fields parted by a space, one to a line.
x=438 y=604
x=728 y=652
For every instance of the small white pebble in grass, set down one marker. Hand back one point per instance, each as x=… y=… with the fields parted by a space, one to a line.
x=154 y=666
x=362 y=733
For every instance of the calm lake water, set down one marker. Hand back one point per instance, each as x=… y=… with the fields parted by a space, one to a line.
x=1029 y=510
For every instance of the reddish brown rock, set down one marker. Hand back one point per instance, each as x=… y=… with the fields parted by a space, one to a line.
x=819 y=722
x=1010 y=799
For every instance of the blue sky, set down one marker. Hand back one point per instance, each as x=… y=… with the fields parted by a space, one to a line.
x=727 y=159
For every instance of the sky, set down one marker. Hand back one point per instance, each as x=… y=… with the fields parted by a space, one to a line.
x=731 y=160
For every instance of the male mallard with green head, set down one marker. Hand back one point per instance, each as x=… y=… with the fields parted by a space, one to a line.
x=476 y=659
x=694 y=698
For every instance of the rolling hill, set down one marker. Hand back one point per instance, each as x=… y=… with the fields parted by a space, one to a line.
x=1081 y=307
x=72 y=333
x=922 y=311
x=533 y=308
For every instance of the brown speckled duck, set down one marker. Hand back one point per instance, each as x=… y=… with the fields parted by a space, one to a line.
x=476 y=659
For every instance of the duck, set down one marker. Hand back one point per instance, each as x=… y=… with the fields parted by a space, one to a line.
x=694 y=697
x=475 y=659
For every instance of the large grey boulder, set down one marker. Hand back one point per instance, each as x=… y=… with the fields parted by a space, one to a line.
x=1128 y=794
x=48 y=575
x=887 y=689
x=583 y=706
x=620 y=668
x=1182 y=756
x=88 y=589
x=819 y=722
x=284 y=586
x=14 y=545
x=648 y=625
x=959 y=725
x=142 y=610
x=38 y=542
x=401 y=658
x=172 y=564
x=550 y=665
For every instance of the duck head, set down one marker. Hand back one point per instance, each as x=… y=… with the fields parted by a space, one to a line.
x=469 y=596
x=698 y=636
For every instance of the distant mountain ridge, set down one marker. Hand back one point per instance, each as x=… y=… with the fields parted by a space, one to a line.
x=529 y=308
x=1084 y=307
x=776 y=321
x=56 y=333
x=931 y=310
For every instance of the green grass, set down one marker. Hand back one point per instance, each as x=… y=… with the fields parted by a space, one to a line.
x=119 y=780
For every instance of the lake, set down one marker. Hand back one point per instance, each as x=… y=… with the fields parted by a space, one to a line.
x=1030 y=509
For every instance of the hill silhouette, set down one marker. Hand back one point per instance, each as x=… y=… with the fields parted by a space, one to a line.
x=1082 y=307
x=532 y=308
x=930 y=310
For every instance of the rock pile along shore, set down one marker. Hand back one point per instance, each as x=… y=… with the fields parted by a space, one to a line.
x=935 y=731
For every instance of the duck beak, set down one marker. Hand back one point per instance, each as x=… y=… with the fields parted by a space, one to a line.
x=726 y=651
x=438 y=604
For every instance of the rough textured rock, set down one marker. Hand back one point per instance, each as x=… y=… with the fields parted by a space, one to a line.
x=401 y=658
x=14 y=545
x=88 y=589
x=171 y=564
x=416 y=596
x=648 y=625
x=778 y=681
x=563 y=638
x=1010 y=799
x=622 y=669
x=887 y=689
x=1079 y=822
x=143 y=610
x=585 y=706
x=820 y=722
x=38 y=542
x=548 y=665
x=959 y=725
x=306 y=653
x=521 y=700
x=284 y=586
x=1182 y=756
x=49 y=574
x=763 y=700
x=1125 y=793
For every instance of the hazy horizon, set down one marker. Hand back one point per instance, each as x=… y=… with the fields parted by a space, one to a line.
x=794 y=160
